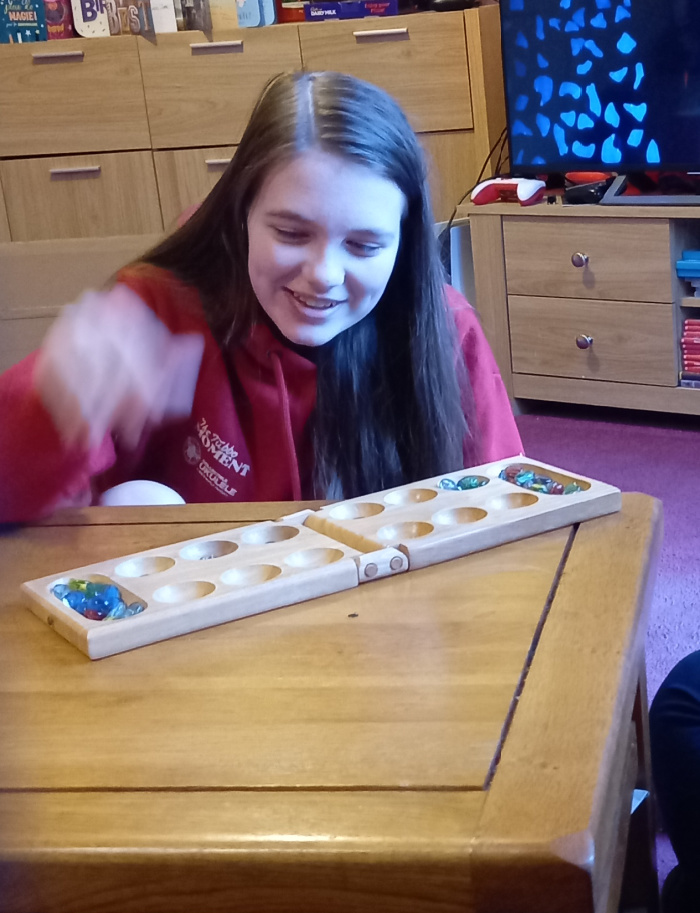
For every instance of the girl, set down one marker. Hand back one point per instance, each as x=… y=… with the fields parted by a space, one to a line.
x=294 y=338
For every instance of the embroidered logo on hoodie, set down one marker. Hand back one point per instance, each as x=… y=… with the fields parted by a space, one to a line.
x=224 y=453
x=221 y=451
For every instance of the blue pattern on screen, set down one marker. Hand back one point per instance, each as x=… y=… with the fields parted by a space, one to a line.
x=592 y=108
x=591 y=46
x=543 y=124
x=626 y=44
x=544 y=87
x=611 y=116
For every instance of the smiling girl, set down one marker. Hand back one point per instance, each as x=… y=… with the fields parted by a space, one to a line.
x=293 y=339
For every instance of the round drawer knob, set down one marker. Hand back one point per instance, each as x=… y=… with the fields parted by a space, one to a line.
x=579 y=260
x=584 y=342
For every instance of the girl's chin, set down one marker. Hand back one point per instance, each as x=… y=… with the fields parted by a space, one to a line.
x=310 y=340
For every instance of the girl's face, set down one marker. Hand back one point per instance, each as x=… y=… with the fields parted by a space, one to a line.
x=323 y=237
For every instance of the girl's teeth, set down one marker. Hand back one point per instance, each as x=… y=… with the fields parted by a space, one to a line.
x=319 y=306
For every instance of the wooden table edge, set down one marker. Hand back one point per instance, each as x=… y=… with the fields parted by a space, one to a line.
x=531 y=819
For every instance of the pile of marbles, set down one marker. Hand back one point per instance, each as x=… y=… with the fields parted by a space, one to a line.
x=95 y=601
x=464 y=484
x=527 y=478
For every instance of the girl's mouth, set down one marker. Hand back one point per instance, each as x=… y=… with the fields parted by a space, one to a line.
x=316 y=304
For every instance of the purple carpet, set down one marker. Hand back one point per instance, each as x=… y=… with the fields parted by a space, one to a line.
x=657 y=455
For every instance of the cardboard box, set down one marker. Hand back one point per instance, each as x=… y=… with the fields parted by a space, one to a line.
x=349 y=9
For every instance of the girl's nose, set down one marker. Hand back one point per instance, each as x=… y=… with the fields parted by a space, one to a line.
x=325 y=268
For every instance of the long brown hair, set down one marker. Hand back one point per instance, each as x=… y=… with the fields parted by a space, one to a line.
x=393 y=397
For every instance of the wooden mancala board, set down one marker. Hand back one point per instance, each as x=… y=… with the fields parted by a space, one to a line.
x=214 y=579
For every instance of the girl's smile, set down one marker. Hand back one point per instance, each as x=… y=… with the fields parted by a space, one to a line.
x=323 y=237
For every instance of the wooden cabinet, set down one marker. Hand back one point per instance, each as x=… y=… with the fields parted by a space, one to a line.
x=452 y=168
x=200 y=91
x=185 y=94
x=78 y=95
x=81 y=196
x=185 y=177
x=420 y=60
x=582 y=304
x=37 y=279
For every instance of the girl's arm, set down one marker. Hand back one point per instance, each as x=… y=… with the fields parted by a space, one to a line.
x=38 y=471
x=107 y=367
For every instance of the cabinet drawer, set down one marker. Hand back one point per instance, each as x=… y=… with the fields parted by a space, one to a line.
x=81 y=196
x=185 y=177
x=37 y=279
x=82 y=96
x=627 y=260
x=420 y=60
x=201 y=92
x=632 y=342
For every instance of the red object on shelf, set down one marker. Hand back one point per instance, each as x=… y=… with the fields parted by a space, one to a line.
x=587 y=177
x=59 y=19
x=290 y=10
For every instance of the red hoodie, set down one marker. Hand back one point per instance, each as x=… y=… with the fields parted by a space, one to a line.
x=247 y=437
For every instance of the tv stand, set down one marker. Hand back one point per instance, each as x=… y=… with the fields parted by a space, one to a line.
x=582 y=303
x=615 y=196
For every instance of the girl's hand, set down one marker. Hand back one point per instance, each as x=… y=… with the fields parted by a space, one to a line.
x=108 y=364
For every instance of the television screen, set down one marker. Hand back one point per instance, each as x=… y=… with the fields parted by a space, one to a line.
x=604 y=85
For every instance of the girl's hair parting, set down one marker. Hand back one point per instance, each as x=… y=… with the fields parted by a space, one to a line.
x=394 y=403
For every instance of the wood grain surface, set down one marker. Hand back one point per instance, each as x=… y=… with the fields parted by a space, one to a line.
x=424 y=67
x=337 y=755
x=627 y=260
x=92 y=101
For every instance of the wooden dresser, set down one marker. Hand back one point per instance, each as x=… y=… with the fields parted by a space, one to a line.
x=582 y=304
x=115 y=137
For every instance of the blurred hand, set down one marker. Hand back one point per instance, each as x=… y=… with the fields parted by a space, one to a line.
x=108 y=364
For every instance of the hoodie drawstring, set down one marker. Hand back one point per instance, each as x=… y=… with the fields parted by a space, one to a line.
x=283 y=395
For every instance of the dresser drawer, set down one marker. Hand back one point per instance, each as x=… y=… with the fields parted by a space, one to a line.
x=421 y=60
x=37 y=279
x=81 y=196
x=185 y=177
x=625 y=260
x=77 y=95
x=201 y=92
x=631 y=342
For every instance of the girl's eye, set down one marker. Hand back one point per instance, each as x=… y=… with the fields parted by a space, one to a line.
x=290 y=235
x=364 y=249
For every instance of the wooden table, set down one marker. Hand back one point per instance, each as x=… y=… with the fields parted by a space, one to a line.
x=461 y=738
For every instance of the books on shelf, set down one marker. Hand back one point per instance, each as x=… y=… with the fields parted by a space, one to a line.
x=690 y=353
x=22 y=21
